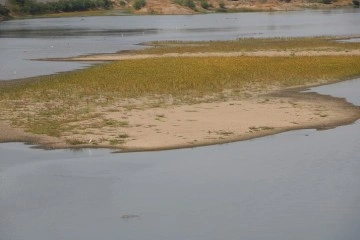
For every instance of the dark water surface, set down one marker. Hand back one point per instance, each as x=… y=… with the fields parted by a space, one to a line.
x=296 y=185
x=22 y=40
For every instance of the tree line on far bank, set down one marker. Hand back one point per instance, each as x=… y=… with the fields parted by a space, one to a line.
x=31 y=7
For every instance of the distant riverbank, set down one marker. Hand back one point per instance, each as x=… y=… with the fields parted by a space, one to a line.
x=74 y=8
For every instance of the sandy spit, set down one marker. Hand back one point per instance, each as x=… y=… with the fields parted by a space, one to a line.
x=183 y=126
x=121 y=56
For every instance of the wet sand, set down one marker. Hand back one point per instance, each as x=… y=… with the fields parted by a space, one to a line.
x=260 y=53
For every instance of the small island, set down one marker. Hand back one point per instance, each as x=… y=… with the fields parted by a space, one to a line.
x=183 y=94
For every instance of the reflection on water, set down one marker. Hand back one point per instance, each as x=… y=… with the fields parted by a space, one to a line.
x=296 y=185
x=347 y=89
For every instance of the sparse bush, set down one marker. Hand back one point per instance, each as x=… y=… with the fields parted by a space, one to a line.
x=4 y=11
x=222 y=7
x=74 y=141
x=139 y=4
x=186 y=3
x=32 y=7
x=205 y=4
x=123 y=135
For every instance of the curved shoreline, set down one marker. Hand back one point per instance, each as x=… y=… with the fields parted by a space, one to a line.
x=311 y=111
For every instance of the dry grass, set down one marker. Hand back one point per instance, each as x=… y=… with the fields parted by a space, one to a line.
x=251 y=44
x=53 y=105
x=182 y=76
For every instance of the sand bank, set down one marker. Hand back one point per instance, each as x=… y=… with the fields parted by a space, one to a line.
x=179 y=126
x=144 y=127
x=289 y=53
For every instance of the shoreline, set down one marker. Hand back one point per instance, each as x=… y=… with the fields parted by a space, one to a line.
x=104 y=57
x=322 y=111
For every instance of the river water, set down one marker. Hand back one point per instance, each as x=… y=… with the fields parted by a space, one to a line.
x=23 y=40
x=296 y=185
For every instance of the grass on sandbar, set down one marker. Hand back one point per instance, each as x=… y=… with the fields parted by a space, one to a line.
x=251 y=44
x=183 y=76
x=59 y=105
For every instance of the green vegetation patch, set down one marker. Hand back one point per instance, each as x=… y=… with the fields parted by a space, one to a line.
x=186 y=3
x=25 y=7
x=176 y=76
x=138 y=4
x=182 y=76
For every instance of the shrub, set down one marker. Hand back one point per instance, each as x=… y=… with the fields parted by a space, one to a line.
x=138 y=4
x=186 y=3
x=205 y=4
x=32 y=7
x=4 y=11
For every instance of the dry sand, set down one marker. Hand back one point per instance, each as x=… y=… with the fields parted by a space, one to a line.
x=211 y=123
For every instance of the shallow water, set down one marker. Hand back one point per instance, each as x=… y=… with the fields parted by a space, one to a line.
x=22 y=40
x=296 y=185
x=347 y=89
